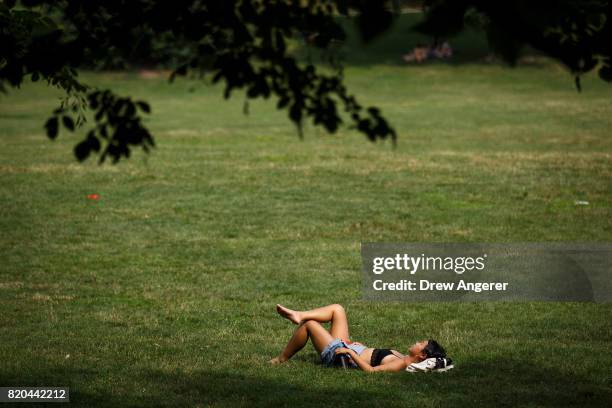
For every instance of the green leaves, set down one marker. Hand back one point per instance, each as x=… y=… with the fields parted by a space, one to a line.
x=605 y=72
x=245 y=45
x=118 y=126
x=84 y=148
x=51 y=126
x=68 y=123
x=117 y=129
x=576 y=33
x=144 y=106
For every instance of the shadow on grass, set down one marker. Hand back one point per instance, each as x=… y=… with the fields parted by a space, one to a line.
x=485 y=383
x=511 y=383
x=476 y=383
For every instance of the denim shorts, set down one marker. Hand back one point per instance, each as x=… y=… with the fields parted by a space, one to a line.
x=329 y=357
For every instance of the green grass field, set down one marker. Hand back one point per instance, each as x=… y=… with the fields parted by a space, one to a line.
x=163 y=291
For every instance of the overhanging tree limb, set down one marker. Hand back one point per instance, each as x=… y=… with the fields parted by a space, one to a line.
x=243 y=44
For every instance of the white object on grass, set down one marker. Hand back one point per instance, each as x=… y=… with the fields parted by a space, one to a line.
x=438 y=364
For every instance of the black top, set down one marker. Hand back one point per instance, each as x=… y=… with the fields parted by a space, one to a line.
x=378 y=355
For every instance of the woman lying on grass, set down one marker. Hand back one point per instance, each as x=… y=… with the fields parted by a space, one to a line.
x=335 y=344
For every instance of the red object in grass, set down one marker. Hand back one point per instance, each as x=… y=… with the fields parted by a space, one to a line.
x=93 y=196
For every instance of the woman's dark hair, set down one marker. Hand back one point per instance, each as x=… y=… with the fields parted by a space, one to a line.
x=434 y=349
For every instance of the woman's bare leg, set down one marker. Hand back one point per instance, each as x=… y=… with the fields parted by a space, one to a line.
x=331 y=313
x=309 y=329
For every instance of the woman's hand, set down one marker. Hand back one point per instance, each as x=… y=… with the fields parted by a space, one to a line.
x=343 y=350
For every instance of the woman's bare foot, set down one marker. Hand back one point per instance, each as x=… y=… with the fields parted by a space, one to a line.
x=289 y=314
x=276 y=361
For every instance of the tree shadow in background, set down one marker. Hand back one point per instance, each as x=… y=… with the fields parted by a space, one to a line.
x=470 y=47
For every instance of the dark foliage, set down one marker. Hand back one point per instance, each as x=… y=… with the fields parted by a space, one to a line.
x=577 y=33
x=243 y=44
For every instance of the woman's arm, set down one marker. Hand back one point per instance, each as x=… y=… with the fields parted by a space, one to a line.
x=360 y=361
x=396 y=365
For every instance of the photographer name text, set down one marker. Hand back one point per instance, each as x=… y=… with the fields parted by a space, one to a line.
x=425 y=285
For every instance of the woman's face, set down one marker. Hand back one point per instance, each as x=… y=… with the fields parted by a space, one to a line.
x=417 y=348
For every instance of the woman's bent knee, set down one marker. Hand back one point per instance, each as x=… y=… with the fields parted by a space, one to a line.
x=338 y=308
x=309 y=324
